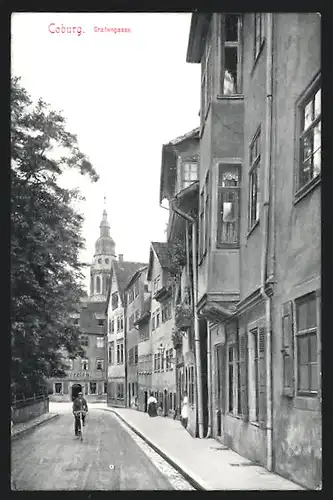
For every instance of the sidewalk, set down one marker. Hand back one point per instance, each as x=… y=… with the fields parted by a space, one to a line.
x=206 y=462
x=19 y=429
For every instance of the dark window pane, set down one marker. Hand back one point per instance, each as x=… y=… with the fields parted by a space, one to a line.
x=231 y=24
x=312 y=313
x=230 y=65
x=313 y=348
x=314 y=377
x=302 y=311
x=303 y=350
x=303 y=378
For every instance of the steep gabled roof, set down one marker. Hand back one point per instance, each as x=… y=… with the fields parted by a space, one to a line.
x=135 y=276
x=161 y=251
x=123 y=271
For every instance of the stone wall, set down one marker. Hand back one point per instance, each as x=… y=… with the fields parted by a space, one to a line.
x=30 y=410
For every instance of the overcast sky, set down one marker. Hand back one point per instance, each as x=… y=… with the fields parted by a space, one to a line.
x=123 y=94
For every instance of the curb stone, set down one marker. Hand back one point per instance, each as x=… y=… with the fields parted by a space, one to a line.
x=37 y=424
x=167 y=458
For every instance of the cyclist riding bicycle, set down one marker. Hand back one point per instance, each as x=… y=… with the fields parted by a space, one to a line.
x=79 y=405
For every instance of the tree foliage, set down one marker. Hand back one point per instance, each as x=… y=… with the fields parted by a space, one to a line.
x=46 y=238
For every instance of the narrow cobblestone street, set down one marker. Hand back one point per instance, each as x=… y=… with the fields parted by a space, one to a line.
x=109 y=458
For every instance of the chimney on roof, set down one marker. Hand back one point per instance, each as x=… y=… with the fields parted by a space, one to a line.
x=120 y=257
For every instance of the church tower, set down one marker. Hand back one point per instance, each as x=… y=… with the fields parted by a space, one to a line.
x=101 y=267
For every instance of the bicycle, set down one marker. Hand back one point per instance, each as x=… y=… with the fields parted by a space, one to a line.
x=80 y=413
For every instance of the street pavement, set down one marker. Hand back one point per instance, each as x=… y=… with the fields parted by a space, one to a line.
x=111 y=457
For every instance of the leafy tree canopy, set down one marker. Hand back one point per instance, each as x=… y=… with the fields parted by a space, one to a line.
x=46 y=238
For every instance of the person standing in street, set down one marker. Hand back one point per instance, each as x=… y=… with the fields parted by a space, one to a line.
x=184 y=413
x=152 y=406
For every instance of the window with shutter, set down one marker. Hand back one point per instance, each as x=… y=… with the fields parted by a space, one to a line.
x=262 y=376
x=243 y=376
x=288 y=349
x=307 y=345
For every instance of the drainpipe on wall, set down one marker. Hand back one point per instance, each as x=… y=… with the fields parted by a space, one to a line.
x=196 y=320
x=125 y=350
x=209 y=383
x=266 y=206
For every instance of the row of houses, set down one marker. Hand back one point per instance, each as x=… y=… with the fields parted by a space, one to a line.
x=228 y=308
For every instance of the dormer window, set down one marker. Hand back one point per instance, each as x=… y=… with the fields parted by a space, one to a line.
x=189 y=173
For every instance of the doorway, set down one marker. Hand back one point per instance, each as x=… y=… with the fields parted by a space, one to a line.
x=146 y=402
x=76 y=388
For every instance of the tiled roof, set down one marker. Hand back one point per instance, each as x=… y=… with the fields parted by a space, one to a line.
x=88 y=317
x=135 y=276
x=193 y=133
x=161 y=250
x=124 y=271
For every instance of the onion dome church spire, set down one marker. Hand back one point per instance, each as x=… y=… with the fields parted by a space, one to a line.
x=101 y=267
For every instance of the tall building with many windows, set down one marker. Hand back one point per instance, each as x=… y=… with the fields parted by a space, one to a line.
x=89 y=374
x=117 y=327
x=259 y=235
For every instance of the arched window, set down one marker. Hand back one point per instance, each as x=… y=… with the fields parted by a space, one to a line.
x=98 y=284
x=107 y=283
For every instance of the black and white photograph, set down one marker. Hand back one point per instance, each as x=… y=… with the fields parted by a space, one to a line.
x=165 y=192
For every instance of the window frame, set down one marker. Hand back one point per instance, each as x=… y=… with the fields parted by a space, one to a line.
x=100 y=342
x=83 y=362
x=188 y=162
x=254 y=165
x=101 y=361
x=225 y=44
x=120 y=352
x=90 y=385
x=157 y=318
x=307 y=333
x=84 y=340
x=61 y=392
x=302 y=101
x=98 y=284
x=224 y=164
